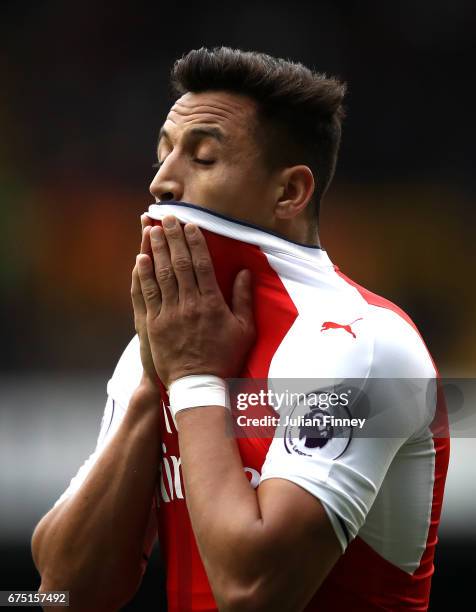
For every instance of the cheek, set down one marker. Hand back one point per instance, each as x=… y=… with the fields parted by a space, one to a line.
x=210 y=189
x=222 y=181
x=231 y=189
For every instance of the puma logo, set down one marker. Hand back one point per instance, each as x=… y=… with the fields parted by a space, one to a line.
x=331 y=325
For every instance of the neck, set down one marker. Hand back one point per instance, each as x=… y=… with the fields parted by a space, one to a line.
x=299 y=230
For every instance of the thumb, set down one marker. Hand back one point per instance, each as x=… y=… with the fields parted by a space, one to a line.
x=242 y=301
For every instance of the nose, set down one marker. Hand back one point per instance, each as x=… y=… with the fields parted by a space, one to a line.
x=164 y=187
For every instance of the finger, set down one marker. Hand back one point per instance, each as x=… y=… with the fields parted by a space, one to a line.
x=180 y=257
x=145 y=221
x=138 y=303
x=148 y=285
x=242 y=300
x=145 y=246
x=164 y=272
x=202 y=262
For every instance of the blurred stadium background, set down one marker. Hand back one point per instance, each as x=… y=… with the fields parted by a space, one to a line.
x=83 y=94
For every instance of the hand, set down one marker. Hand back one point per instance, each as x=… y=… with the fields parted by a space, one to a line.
x=140 y=311
x=190 y=327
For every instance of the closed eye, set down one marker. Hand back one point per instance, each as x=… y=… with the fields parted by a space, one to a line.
x=205 y=162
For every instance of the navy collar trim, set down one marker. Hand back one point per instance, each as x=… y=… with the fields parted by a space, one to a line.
x=238 y=221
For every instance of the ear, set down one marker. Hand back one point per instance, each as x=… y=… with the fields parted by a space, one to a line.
x=296 y=186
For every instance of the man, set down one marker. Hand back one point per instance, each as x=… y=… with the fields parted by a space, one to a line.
x=231 y=282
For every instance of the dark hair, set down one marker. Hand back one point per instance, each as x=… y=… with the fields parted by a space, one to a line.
x=299 y=111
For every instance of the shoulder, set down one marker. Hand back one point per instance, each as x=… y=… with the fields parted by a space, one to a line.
x=398 y=347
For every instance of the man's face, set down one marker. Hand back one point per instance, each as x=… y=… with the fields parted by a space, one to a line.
x=209 y=157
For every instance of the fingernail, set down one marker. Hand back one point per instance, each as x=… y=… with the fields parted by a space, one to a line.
x=190 y=229
x=168 y=222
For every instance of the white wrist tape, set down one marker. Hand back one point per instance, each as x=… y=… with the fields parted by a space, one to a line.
x=197 y=390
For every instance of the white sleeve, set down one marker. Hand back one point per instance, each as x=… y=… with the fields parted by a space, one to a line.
x=120 y=388
x=112 y=413
x=345 y=473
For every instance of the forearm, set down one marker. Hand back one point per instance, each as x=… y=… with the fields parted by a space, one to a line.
x=232 y=535
x=95 y=539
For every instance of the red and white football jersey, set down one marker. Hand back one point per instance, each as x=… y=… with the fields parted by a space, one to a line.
x=382 y=489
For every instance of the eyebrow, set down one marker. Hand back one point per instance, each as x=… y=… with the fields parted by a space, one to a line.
x=206 y=132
